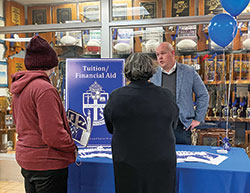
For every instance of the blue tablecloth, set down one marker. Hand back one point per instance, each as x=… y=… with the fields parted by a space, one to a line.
x=231 y=176
x=95 y=175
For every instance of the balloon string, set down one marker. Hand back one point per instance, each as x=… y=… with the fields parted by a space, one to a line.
x=227 y=102
x=229 y=88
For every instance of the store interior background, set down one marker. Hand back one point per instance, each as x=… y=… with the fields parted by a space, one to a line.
x=114 y=29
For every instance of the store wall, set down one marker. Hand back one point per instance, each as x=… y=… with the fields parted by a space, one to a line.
x=2 y=23
x=1 y=8
x=3 y=91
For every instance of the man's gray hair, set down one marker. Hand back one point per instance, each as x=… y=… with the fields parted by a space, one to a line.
x=139 y=66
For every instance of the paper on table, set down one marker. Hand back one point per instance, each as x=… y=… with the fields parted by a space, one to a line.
x=201 y=156
x=95 y=151
x=182 y=156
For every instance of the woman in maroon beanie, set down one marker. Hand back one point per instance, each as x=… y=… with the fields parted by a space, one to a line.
x=45 y=147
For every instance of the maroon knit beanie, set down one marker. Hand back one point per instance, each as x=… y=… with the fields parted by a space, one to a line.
x=40 y=55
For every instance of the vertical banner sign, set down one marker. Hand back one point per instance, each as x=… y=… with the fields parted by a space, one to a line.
x=89 y=83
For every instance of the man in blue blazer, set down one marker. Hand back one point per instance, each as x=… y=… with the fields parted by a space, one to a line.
x=182 y=80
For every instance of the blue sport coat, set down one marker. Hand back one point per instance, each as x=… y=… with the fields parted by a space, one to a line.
x=188 y=81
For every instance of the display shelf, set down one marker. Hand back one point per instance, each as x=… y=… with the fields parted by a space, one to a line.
x=188 y=52
x=69 y=51
x=120 y=55
x=243 y=29
x=152 y=55
x=8 y=129
x=241 y=82
x=74 y=52
x=227 y=82
x=6 y=135
x=213 y=82
x=211 y=52
x=225 y=119
x=90 y=56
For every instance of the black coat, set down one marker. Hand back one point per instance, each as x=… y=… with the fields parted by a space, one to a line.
x=141 y=117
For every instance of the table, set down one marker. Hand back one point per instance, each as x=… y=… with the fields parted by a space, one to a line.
x=231 y=176
x=95 y=175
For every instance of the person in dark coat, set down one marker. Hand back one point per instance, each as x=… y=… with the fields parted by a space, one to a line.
x=142 y=116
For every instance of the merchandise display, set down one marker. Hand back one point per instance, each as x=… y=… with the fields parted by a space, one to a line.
x=122 y=48
x=246 y=44
x=193 y=43
x=68 y=40
x=97 y=36
x=214 y=46
x=93 y=45
x=186 y=44
x=151 y=46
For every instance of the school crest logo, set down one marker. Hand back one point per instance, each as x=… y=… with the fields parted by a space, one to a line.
x=94 y=100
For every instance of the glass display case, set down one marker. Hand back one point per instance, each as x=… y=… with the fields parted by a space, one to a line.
x=114 y=29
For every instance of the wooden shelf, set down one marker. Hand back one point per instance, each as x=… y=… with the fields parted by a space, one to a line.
x=242 y=29
x=69 y=51
x=227 y=82
x=152 y=55
x=11 y=129
x=225 y=119
x=241 y=82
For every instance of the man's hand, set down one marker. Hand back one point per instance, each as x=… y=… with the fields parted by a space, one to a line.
x=193 y=125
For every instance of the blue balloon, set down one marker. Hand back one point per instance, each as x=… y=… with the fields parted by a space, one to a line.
x=222 y=29
x=234 y=7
